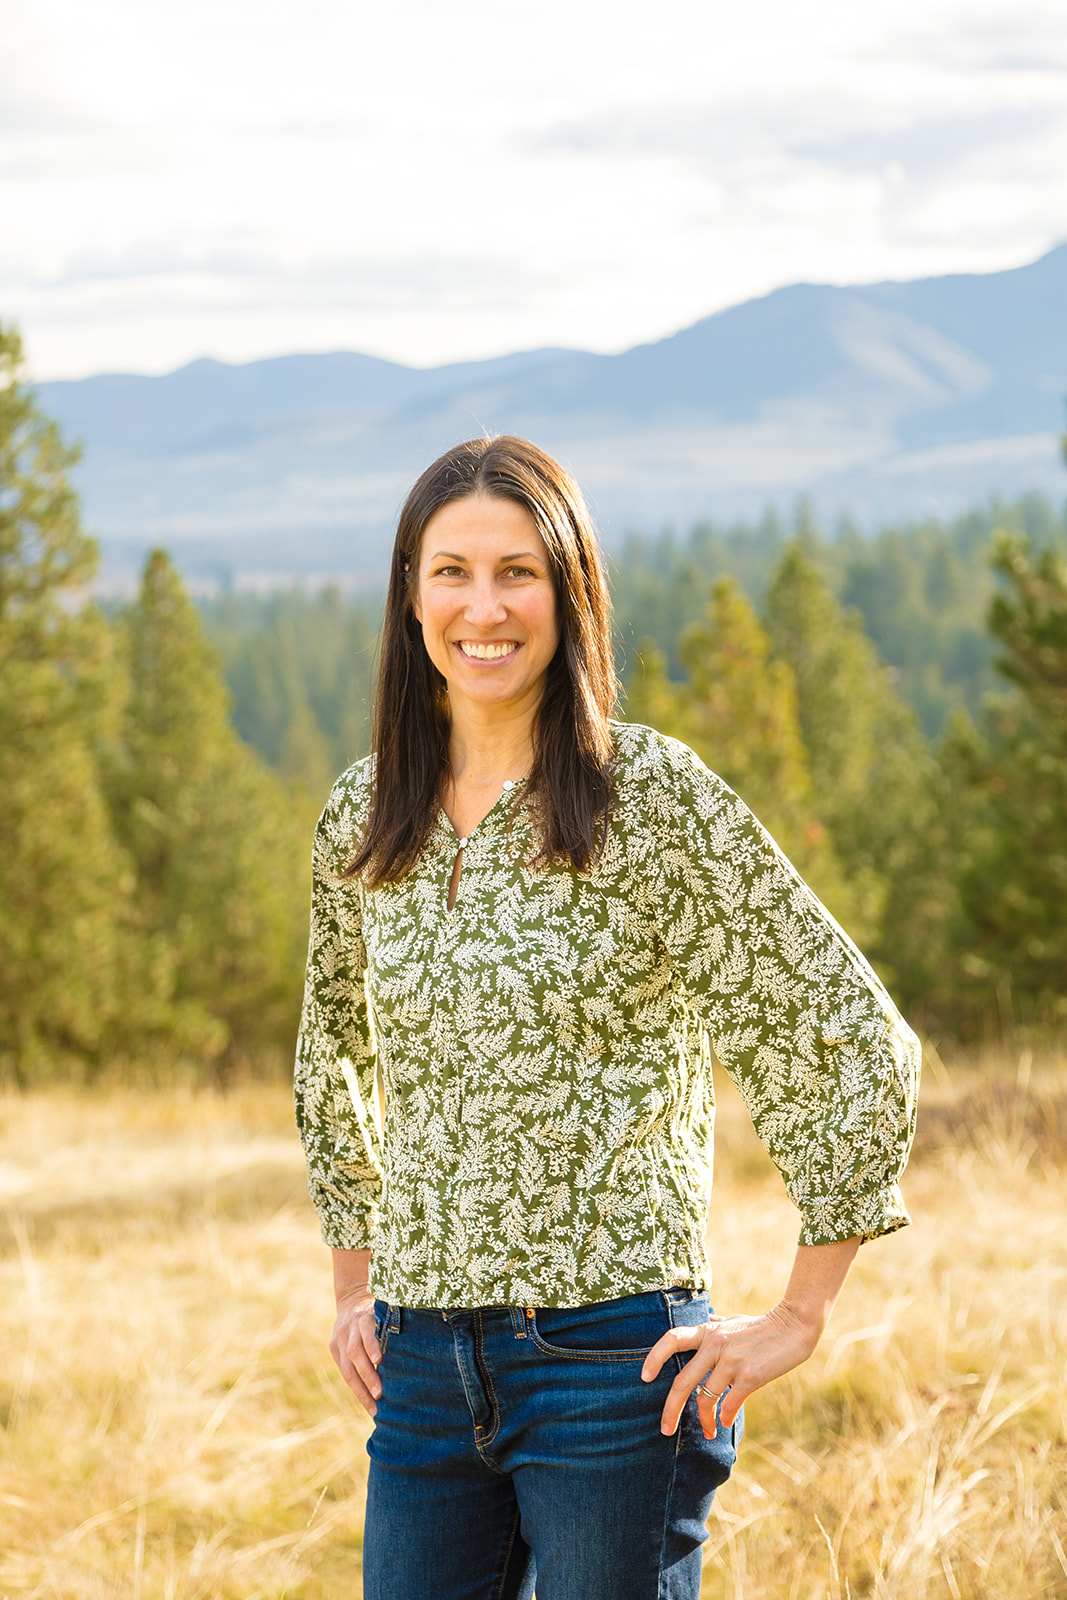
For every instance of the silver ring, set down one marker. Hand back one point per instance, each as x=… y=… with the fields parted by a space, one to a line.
x=703 y=1389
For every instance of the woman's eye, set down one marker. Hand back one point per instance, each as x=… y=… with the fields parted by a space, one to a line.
x=519 y=572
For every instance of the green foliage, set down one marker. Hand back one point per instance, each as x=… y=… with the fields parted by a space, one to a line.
x=735 y=707
x=299 y=673
x=1014 y=881
x=923 y=590
x=660 y=585
x=61 y=872
x=738 y=710
x=217 y=845
x=874 y=779
x=152 y=878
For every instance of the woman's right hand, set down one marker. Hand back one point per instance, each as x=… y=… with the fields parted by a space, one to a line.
x=354 y=1345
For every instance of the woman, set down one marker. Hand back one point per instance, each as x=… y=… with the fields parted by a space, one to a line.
x=532 y=922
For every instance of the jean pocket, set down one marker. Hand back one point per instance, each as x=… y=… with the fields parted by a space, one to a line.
x=692 y=1311
x=612 y=1330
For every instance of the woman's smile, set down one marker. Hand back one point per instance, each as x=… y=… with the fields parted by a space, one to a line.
x=491 y=650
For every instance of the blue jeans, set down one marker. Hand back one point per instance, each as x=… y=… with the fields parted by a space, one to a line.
x=514 y=1446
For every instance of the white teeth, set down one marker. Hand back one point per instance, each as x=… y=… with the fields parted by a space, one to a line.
x=487 y=652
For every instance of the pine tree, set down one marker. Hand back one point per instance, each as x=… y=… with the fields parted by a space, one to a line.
x=1014 y=884
x=876 y=785
x=738 y=710
x=217 y=847
x=62 y=879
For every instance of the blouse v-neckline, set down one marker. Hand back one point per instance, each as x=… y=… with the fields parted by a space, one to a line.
x=459 y=842
x=507 y=790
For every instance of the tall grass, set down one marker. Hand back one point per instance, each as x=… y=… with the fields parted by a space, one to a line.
x=172 y=1425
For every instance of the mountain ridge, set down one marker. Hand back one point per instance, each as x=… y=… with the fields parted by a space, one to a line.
x=889 y=399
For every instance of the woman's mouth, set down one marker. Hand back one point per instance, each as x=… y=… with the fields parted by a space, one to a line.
x=491 y=650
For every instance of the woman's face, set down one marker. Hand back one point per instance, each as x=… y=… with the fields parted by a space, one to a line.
x=487 y=604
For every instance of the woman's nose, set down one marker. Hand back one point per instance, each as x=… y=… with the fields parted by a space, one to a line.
x=485 y=605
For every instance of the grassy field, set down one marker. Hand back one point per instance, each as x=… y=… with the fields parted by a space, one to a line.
x=173 y=1425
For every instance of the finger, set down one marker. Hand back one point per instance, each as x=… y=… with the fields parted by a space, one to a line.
x=355 y=1381
x=360 y=1352
x=708 y=1410
x=671 y=1343
x=703 y=1368
x=354 y=1346
x=370 y=1341
x=731 y=1405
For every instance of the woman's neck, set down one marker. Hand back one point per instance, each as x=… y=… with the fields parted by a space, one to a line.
x=484 y=751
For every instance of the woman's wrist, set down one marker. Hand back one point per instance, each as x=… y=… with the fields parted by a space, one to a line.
x=818 y=1276
x=351 y=1275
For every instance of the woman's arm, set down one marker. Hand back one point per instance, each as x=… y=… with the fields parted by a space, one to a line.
x=335 y=1078
x=743 y=1353
x=825 y=1064
x=354 y=1345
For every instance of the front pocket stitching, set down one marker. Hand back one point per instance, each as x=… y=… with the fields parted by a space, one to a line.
x=584 y=1355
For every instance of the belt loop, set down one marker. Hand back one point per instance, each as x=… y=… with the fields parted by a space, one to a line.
x=393 y=1320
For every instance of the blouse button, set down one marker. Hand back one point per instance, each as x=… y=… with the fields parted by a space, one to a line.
x=509 y=783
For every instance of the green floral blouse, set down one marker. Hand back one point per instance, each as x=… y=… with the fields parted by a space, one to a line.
x=545 y=1047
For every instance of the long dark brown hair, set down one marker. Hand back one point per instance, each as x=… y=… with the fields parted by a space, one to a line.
x=570 y=784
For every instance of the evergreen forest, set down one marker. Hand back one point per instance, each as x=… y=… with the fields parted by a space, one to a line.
x=893 y=706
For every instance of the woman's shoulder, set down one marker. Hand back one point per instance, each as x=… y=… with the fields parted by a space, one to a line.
x=344 y=816
x=647 y=760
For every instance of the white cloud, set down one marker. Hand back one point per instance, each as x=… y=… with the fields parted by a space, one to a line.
x=433 y=179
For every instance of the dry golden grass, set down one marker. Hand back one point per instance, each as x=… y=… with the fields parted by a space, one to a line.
x=173 y=1425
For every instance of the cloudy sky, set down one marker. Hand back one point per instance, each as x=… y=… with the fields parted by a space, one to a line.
x=431 y=180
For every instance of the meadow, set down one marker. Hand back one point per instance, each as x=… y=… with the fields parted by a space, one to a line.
x=173 y=1427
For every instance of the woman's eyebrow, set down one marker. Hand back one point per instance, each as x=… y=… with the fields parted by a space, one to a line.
x=520 y=555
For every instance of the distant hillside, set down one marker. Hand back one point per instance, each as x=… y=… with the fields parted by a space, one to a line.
x=893 y=399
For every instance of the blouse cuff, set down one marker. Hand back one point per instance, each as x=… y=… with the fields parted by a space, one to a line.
x=844 y=1216
x=346 y=1228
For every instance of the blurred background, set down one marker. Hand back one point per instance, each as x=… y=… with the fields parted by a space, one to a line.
x=786 y=288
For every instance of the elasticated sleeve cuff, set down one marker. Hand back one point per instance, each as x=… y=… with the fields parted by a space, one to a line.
x=844 y=1216
x=345 y=1227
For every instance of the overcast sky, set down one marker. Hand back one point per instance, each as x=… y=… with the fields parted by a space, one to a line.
x=430 y=180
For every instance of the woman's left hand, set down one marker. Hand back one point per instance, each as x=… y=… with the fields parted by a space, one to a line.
x=741 y=1354
x=738 y=1354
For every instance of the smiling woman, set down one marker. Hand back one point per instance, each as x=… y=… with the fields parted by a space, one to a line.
x=547 y=916
x=494 y=548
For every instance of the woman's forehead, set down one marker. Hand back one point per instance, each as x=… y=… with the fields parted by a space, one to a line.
x=480 y=525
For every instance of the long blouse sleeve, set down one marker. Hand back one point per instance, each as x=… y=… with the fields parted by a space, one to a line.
x=335 y=1076
x=825 y=1064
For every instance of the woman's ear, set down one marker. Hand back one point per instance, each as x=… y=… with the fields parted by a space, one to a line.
x=415 y=596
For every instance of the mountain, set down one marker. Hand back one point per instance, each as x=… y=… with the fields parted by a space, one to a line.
x=891 y=399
